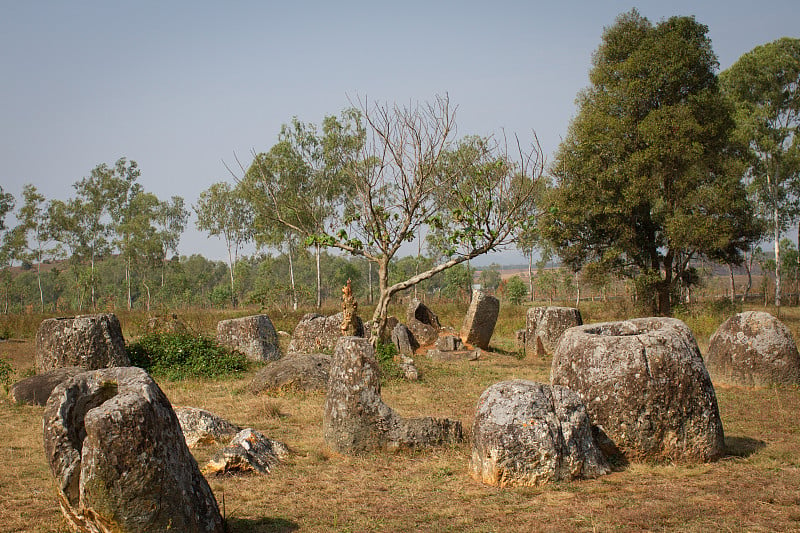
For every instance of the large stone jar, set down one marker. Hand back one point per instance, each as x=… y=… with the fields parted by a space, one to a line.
x=645 y=387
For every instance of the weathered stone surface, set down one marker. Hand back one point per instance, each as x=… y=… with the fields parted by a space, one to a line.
x=645 y=387
x=316 y=333
x=410 y=370
x=436 y=354
x=403 y=340
x=350 y=323
x=201 y=427
x=422 y=323
x=307 y=372
x=36 y=389
x=249 y=451
x=528 y=433
x=357 y=420
x=449 y=343
x=545 y=325
x=117 y=452
x=480 y=320
x=90 y=341
x=391 y=322
x=753 y=349
x=166 y=324
x=519 y=339
x=254 y=336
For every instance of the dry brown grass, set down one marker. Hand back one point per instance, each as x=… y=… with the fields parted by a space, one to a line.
x=755 y=488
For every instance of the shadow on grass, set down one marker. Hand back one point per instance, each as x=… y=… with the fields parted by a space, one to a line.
x=260 y=525
x=743 y=446
x=516 y=354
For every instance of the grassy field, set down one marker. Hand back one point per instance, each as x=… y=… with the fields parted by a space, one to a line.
x=755 y=488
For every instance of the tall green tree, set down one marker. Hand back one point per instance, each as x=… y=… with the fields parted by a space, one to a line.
x=641 y=179
x=300 y=182
x=765 y=87
x=35 y=231
x=6 y=244
x=224 y=212
x=128 y=209
x=170 y=220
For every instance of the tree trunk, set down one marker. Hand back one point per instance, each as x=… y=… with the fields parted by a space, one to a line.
x=230 y=270
x=291 y=279
x=733 y=283
x=748 y=266
x=91 y=283
x=577 y=291
x=319 y=277
x=530 y=277
x=382 y=307
x=128 y=283
x=777 y=259
x=147 y=303
x=39 y=282
x=665 y=288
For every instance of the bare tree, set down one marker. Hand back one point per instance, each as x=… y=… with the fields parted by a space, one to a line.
x=411 y=175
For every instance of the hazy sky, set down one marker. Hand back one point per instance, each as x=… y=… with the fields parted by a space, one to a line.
x=182 y=86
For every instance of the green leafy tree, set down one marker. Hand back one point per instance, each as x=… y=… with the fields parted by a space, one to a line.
x=35 y=226
x=489 y=278
x=299 y=184
x=642 y=184
x=765 y=87
x=516 y=290
x=224 y=212
x=6 y=244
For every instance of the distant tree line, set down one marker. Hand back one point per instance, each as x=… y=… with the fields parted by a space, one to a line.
x=667 y=165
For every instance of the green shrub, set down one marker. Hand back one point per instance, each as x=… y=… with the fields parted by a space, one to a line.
x=6 y=374
x=182 y=355
x=385 y=353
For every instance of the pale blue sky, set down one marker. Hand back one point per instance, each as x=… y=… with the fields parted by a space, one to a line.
x=182 y=86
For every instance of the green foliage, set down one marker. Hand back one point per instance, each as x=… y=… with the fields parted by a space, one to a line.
x=181 y=355
x=517 y=290
x=489 y=277
x=644 y=176
x=705 y=317
x=6 y=374
x=385 y=353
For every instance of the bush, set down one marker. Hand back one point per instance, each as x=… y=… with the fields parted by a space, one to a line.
x=183 y=355
x=6 y=374
x=385 y=353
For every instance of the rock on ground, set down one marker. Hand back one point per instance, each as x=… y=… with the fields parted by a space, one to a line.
x=480 y=320
x=356 y=419
x=422 y=323
x=90 y=341
x=544 y=327
x=645 y=387
x=307 y=372
x=254 y=336
x=249 y=451
x=404 y=340
x=527 y=434
x=119 y=458
x=201 y=427
x=316 y=333
x=35 y=390
x=753 y=349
